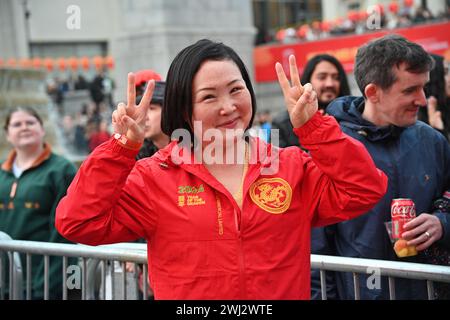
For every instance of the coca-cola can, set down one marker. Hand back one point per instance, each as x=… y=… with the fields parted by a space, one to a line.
x=402 y=211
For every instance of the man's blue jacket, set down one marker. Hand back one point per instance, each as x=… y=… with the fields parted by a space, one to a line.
x=416 y=160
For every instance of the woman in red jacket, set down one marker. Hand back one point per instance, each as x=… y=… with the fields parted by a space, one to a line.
x=223 y=220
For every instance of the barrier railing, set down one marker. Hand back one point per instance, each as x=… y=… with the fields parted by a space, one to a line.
x=390 y=269
x=93 y=257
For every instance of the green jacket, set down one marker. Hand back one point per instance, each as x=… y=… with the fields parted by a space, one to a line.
x=27 y=211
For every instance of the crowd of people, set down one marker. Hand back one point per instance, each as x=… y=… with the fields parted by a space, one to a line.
x=375 y=18
x=89 y=124
x=228 y=215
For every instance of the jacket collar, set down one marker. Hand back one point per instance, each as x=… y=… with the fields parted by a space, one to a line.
x=348 y=111
x=8 y=164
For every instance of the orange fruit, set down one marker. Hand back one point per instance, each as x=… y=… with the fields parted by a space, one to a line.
x=412 y=251
x=400 y=244
x=401 y=253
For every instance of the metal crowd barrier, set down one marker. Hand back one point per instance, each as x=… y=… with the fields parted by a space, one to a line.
x=15 y=268
x=390 y=269
x=91 y=257
x=94 y=258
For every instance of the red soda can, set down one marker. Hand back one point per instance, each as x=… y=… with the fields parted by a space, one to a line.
x=402 y=211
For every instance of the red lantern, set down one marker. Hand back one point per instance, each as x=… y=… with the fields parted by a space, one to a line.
x=62 y=64
x=25 y=63
x=85 y=63
x=379 y=8
x=73 y=63
x=353 y=16
x=316 y=25
x=393 y=7
x=338 y=22
x=109 y=62
x=325 y=26
x=37 y=63
x=281 y=34
x=11 y=62
x=408 y=3
x=49 y=63
x=302 y=32
x=363 y=15
x=98 y=62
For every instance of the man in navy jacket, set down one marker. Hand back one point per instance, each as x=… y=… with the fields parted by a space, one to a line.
x=391 y=73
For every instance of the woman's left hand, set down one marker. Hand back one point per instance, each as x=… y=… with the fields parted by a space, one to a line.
x=301 y=101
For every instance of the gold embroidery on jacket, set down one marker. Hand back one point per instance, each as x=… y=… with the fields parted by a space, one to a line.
x=273 y=195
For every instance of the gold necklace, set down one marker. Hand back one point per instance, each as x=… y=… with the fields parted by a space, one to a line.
x=238 y=195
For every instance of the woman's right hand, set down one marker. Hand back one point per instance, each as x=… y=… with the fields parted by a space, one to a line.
x=301 y=101
x=129 y=119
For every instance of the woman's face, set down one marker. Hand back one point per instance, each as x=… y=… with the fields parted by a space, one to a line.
x=221 y=99
x=24 y=130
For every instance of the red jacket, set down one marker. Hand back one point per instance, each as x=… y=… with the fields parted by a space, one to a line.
x=200 y=244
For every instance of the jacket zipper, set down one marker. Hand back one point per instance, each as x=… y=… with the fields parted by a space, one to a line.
x=240 y=246
x=13 y=191
x=12 y=194
x=241 y=266
x=238 y=222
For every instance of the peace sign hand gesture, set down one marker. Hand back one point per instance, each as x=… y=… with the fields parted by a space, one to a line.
x=301 y=101
x=129 y=119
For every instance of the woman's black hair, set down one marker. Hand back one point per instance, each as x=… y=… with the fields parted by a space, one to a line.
x=178 y=107
x=436 y=88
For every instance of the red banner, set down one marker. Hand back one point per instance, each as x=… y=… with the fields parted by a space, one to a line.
x=435 y=38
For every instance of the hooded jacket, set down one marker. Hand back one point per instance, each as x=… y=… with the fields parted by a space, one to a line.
x=201 y=245
x=416 y=160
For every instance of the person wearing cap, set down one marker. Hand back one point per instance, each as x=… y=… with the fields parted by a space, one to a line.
x=155 y=139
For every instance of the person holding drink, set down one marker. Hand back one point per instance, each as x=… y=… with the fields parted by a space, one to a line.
x=391 y=72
